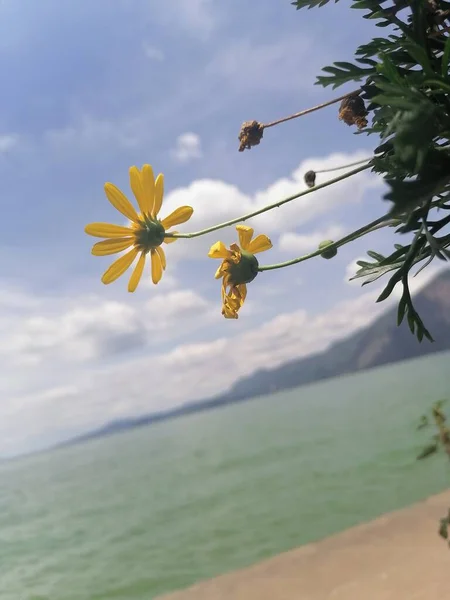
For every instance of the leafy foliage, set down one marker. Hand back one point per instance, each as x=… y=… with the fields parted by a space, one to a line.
x=311 y=3
x=404 y=80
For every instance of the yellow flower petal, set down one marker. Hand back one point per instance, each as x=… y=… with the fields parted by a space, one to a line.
x=259 y=244
x=111 y=246
x=235 y=254
x=159 y=193
x=148 y=185
x=137 y=273
x=107 y=230
x=225 y=281
x=242 y=287
x=162 y=256
x=138 y=191
x=219 y=250
x=245 y=236
x=157 y=270
x=229 y=311
x=220 y=272
x=170 y=240
x=119 y=266
x=120 y=202
x=180 y=215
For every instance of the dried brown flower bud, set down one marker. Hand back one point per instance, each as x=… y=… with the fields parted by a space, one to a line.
x=250 y=134
x=353 y=111
x=310 y=178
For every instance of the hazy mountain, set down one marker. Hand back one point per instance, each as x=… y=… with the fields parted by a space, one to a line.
x=380 y=343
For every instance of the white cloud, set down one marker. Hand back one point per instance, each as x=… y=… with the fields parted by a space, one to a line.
x=216 y=201
x=90 y=328
x=170 y=309
x=76 y=362
x=297 y=243
x=187 y=147
x=152 y=53
x=66 y=398
x=59 y=396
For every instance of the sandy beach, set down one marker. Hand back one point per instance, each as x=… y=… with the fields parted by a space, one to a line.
x=398 y=556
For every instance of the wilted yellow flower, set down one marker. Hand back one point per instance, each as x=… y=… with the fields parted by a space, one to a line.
x=146 y=232
x=239 y=267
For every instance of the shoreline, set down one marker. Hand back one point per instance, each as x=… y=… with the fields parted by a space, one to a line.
x=397 y=556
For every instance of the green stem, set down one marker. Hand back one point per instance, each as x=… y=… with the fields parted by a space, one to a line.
x=267 y=208
x=377 y=224
x=438 y=83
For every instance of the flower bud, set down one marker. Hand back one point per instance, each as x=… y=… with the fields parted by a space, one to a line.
x=330 y=253
x=310 y=178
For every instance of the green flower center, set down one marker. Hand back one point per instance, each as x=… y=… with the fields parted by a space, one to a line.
x=150 y=233
x=246 y=269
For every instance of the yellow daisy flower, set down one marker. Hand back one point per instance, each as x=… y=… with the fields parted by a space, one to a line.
x=146 y=232
x=239 y=267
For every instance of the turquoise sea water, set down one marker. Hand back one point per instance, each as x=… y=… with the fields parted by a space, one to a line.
x=158 y=508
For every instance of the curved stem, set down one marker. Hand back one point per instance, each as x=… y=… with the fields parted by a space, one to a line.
x=358 y=162
x=383 y=221
x=269 y=207
x=310 y=110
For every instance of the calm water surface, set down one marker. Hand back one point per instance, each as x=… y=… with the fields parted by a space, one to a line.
x=135 y=515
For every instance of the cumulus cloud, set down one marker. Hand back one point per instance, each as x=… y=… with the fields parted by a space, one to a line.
x=187 y=372
x=216 y=201
x=187 y=147
x=36 y=332
x=76 y=362
x=75 y=389
x=308 y=242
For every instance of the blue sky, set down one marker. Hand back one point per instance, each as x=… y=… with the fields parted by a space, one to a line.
x=91 y=88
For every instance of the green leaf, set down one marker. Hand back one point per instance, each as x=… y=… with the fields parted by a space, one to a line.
x=342 y=72
x=401 y=310
x=445 y=59
x=375 y=255
x=420 y=56
x=389 y=70
x=389 y=287
x=310 y=3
